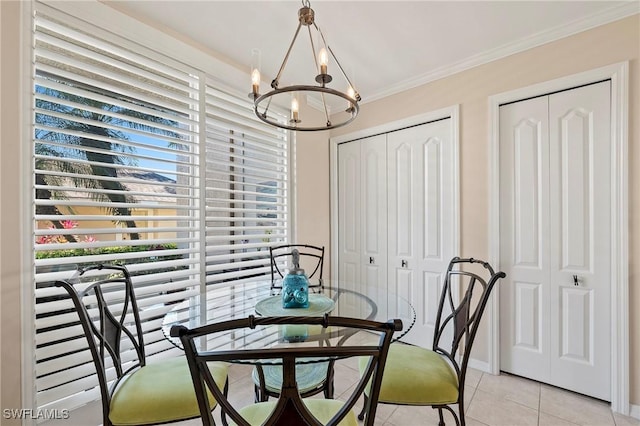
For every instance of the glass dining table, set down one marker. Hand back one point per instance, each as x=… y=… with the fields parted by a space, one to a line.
x=258 y=298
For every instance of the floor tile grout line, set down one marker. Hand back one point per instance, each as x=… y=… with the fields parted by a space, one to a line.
x=539 y=402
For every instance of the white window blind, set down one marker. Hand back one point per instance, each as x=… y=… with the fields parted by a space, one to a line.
x=144 y=162
x=246 y=192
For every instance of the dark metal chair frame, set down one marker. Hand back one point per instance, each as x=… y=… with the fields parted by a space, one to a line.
x=465 y=320
x=305 y=250
x=262 y=393
x=105 y=339
x=289 y=409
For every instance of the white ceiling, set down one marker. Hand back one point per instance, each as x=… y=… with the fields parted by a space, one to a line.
x=384 y=46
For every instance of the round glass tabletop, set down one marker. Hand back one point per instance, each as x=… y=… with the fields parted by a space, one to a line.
x=222 y=303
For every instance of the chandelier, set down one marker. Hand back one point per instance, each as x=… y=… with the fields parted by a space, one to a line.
x=347 y=100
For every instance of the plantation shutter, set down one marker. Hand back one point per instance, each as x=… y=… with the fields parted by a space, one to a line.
x=246 y=192
x=129 y=167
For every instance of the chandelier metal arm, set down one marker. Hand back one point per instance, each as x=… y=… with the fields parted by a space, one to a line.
x=313 y=48
x=276 y=80
x=326 y=111
x=266 y=108
x=315 y=59
x=357 y=95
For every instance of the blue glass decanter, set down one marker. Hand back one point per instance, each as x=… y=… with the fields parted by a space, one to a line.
x=295 y=286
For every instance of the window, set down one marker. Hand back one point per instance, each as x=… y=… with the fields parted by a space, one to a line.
x=145 y=162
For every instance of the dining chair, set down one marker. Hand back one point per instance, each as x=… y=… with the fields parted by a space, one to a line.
x=312 y=378
x=290 y=408
x=133 y=392
x=311 y=259
x=436 y=377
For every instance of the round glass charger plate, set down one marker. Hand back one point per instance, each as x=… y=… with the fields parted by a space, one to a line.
x=319 y=304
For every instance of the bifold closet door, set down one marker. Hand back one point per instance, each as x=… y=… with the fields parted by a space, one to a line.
x=555 y=215
x=421 y=219
x=362 y=213
x=396 y=217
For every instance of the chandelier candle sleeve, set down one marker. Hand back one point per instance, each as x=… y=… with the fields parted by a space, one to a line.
x=324 y=60
x=255 y=81
x=351 y=94
x=295 y=110
x=255 y=73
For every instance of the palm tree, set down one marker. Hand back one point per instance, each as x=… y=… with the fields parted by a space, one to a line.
x=87 y=129
x=43 y=183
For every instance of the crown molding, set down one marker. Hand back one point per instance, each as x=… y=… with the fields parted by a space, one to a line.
x=316 y=103
x=595 y=20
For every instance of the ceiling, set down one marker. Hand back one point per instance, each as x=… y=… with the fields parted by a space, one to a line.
x=384 y=46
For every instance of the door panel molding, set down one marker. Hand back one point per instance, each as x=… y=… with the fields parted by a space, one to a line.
x=413 y=177
x=619 y=76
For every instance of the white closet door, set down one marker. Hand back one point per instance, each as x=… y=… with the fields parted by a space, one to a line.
x=362 y=233
x=421 y=219
x=373 y=201
x=349 y=232
x=580 y=210
x=524 y=245
x=555 y=211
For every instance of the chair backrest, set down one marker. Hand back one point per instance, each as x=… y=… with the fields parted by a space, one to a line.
x=105 y=302
x=311 y=260
x=289 y=409
x=457 y=323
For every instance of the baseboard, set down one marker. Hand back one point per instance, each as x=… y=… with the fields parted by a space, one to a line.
x=634 y=411
x=479 y=365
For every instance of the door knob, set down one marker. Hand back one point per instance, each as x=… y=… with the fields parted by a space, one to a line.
x=371 y=260
x=404 y=263
x=575 y=280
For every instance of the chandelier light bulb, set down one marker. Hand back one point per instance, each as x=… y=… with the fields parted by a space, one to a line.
x=255 y=81
x=351 y=93
x=295 y=110
x=323 y=58
x=255 y=73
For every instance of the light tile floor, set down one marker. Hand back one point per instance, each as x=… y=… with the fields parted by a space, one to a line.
x=502 y=400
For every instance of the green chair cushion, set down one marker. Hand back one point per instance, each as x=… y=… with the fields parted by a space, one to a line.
x=322 y=409
x=308 y=376
x=416 y=376
x=160 y=392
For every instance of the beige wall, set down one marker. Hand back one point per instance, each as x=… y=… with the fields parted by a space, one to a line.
x=312 y=201
x=10 y=180
x=615 y=42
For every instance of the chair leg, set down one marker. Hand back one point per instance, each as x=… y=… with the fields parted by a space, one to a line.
x=364 y=408
x=225 y=392
x=259 y=394
x=441 y=422
x=440 y=409
x=329 y=389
